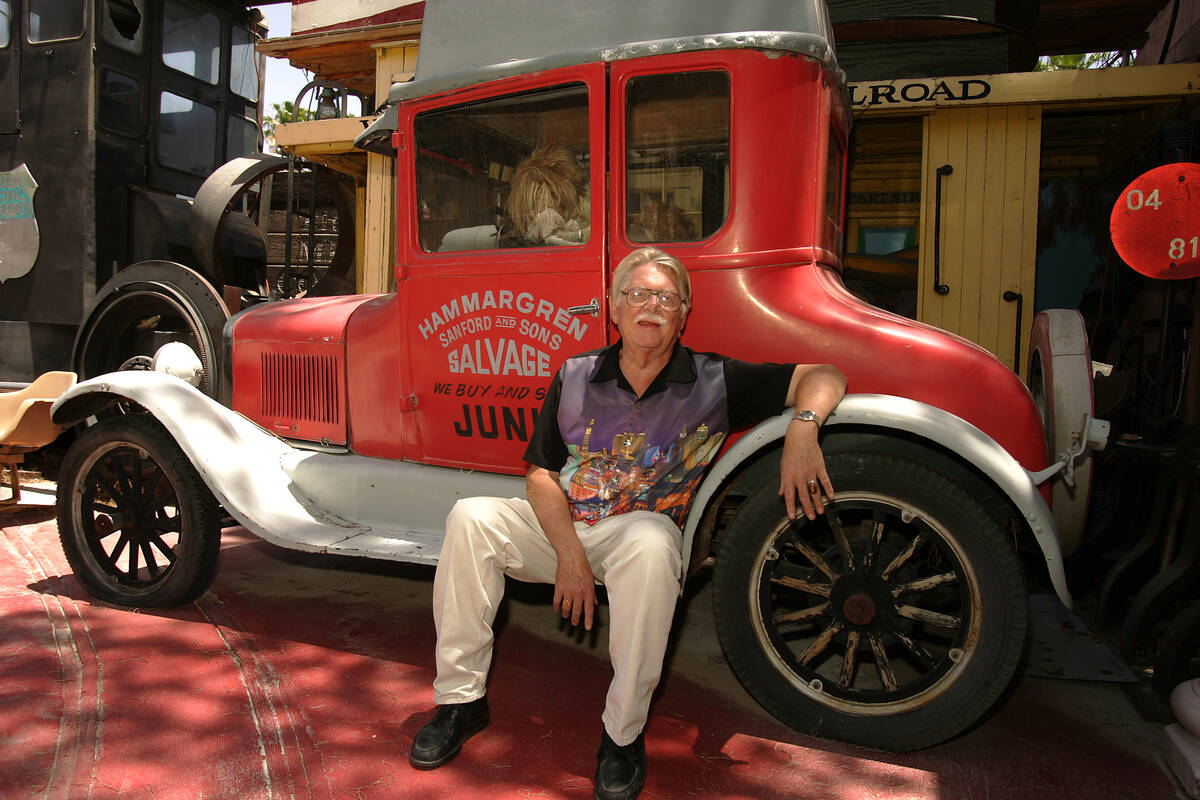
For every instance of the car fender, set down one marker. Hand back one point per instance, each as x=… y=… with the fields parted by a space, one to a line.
x=241 y=463
x=318 y=499
x=921 y=420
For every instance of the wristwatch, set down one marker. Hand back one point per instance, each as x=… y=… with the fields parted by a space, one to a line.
x=804 y=415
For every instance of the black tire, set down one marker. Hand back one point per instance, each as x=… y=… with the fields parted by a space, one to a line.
x=137 y=524
x=835 y=636
x=143 y=307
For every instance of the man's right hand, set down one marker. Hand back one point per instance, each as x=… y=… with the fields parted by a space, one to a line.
x=574 y=583
x=575 y=588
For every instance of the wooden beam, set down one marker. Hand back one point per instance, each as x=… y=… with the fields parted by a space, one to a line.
x=284 y=46
x=339 y=132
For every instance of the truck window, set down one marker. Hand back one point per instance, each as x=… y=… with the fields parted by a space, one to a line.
x=241 y=137
x=191 y=41
x=5 y=22
x=120 y=103
x=677 y=156
x=505 y=172
x=243 y=66
x=834 y=166
x=186 y=132
x=55 y=20
x=122 y=23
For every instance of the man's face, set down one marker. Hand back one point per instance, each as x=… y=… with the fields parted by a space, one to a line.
x=649 y=325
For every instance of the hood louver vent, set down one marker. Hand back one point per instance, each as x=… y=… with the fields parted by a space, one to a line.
x=301 y=387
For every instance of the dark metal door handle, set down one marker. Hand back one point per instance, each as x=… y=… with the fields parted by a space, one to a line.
x=938 y=286
x=1010 y=296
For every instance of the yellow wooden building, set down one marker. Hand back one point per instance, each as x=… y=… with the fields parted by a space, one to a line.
x=946 y=174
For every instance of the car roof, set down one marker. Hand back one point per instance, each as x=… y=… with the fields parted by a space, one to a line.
x=465 y=42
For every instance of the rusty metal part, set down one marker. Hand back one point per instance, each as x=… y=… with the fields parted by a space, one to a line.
x=216 y=197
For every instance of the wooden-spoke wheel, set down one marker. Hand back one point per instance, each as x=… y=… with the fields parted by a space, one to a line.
x=894 y=620
x=137 y=524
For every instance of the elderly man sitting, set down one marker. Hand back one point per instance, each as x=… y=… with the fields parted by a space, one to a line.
x=619 y=449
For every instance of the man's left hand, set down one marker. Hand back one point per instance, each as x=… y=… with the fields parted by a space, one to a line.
x=801 y=468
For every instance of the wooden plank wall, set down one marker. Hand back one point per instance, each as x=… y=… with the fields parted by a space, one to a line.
x=988 y=223
x=377 y=268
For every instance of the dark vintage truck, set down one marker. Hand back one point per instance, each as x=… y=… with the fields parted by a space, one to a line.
x=349 y=425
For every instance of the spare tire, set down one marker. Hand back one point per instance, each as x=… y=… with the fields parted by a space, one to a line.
x=142 y=308
x=1060 y=378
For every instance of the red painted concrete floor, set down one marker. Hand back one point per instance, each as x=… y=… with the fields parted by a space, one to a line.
x=300 y=677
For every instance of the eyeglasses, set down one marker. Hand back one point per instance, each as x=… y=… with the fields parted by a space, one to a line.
x=639 y=296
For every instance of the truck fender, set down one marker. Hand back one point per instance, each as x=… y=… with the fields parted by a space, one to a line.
x=241 y=463
x=927 y=422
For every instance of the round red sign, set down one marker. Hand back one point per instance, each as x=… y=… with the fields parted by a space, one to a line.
x=1155 y=223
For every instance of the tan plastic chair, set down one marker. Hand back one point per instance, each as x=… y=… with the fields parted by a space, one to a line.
x=25 y=423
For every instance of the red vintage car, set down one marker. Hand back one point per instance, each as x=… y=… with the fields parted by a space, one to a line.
x=719 y=133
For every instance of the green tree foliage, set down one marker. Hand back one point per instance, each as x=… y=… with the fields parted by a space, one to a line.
x=1114 y=58
x=283 y=113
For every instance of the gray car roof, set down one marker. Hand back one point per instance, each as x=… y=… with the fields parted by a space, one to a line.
x=464 y=42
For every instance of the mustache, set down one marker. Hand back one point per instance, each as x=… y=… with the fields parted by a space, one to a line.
x=650 y=316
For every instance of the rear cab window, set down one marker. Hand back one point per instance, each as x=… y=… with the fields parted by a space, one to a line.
x=509 y=172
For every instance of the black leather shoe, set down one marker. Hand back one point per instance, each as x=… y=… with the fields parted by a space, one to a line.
x=620 y=771
x=443 y=736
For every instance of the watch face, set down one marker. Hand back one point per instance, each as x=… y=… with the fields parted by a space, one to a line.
x=807 y=416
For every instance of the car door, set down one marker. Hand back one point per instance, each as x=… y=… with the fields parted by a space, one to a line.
x=503 y=246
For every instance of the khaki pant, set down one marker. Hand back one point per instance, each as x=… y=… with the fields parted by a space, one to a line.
x=635 y=555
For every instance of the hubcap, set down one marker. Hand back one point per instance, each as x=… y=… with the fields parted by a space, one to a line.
x=859 y=609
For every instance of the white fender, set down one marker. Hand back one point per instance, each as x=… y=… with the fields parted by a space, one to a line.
x=336 y=502
x=928 y=422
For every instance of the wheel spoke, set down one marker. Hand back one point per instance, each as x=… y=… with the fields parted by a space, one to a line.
x=930 y=617
x=162 y=547
x=803 y=615
x=107 y=480
x=120 y=475
x=813 y=557
x=839 y=536
x=148 y=557
x=876 y=536
x=150 y=483
x=847 y=674
x=133 y=560
x=819 y=589
x=904 y=556
x=821 y=642
x=914 y=647
x=924 y=584
x=882 y=663
x=103 y=508
x=165 y=522
x=115 y=555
